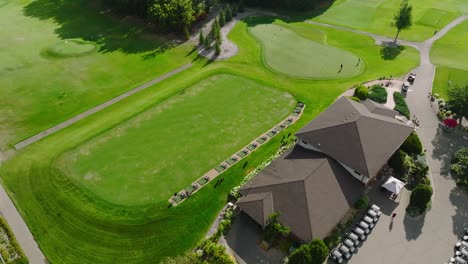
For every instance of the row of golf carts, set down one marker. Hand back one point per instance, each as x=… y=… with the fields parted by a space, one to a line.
x=347 y=248
x=461 y=250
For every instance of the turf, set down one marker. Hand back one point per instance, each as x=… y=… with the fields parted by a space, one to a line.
x=289 y=53
x=38 y=90
x=73 y=225
x=376 y=16
x=180 y=139
x=446 y=77
x=71 y=48
x=451 y=57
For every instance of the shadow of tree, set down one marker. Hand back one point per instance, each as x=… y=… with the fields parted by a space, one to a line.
x=413 y=226
x=445 y=143
x=458 y=197
x=87 y=21
x=390 y=52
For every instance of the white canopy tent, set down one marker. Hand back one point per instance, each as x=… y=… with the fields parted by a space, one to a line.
x=394 y=185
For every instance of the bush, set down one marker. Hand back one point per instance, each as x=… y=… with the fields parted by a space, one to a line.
x=412 y=145
x=362 y=203
x=400 y=104
x=354 y=98
x=275 y=230
x=378 y=94
x=397 y=161
x=420 y=197
x=460 y=166
x=314 y=253
x=361 y=92
x=301 y=255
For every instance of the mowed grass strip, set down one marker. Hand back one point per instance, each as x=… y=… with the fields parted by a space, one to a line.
x=159 y=152
x=287 y=52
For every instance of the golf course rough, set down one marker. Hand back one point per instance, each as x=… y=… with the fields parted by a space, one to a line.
x=288 y=53
x=180 y=139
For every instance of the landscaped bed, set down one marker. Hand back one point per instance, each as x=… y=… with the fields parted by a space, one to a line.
x=9 y=248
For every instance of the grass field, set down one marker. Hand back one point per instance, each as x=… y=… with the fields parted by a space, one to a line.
x=39 y=90
x=376 y=16
x=450 y=54
x=289 y=53
x=74 y=224
x=180 y=139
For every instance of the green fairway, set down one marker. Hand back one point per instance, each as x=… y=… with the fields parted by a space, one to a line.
x=376 y=16
x=179 y=139
x=74 y=223
x=450 y=54
x=40 y=90
x=289 y=53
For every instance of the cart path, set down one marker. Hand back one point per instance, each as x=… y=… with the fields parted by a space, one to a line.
x=20 y=229
x=98 y=108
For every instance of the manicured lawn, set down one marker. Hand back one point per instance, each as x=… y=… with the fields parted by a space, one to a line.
x=451 y=56
x=74 y=225
x=377 y=15
x=40 y=89
x=180 y=139
x=289 y=53
x=445 y=77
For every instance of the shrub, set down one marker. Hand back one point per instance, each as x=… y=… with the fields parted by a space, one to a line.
x=218 y=47
x=397 y=161
x=460 y=166
x=187 y=258
x=222 y=18
x=412 y=145
x=420 y=197
x=362 y=203
x=301 y=255
x=318 y=251
x=361 y=92
x=228 y=13
x=378 y=94
x=201 y=39
x=400 y=104
x=354 y=98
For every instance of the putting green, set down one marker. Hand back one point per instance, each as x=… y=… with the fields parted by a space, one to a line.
x=162 y=150
x=286 y=52
x=71 y=48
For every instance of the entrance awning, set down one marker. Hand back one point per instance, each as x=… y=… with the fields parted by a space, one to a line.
x=394 y=185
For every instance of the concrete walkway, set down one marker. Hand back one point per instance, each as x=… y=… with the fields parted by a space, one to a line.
x=98 y=108
x=429 y=238
x=20 y=229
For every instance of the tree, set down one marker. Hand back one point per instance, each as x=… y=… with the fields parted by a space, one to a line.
x=412 y=145
x=228 y=13
x=318 y=251
x=201 y=38
x=215 y=30
x=458 y=101
x=403 y=18
x=460 y=165
x=176 y=14
x=361 y=92
x=187 y=258
x=421 y=196
x=274 y=229
x=206 y=43
x=222 y=18
x=301 y=255
x=218 y=47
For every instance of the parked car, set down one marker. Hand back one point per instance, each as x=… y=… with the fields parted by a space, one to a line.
x=411 y=77
x=336 y=256
x=405 y=86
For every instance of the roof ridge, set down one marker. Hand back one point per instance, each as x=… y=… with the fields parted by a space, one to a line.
x=362 y=149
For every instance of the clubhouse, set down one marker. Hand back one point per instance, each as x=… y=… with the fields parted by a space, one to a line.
x=337 y=155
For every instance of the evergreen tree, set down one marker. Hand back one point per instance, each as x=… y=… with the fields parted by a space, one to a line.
x=228 y=13
x=222 y=18
x=206 y=43
x=241 y=8
x=234 y=9
x=403 y=18
x=218 y=47
x=201 y=38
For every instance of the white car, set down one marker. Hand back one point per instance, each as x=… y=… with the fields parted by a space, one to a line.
x=405 y=86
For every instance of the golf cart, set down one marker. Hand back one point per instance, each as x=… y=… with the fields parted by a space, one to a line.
x=411 y=77
x=336 y=256
x=405 y=86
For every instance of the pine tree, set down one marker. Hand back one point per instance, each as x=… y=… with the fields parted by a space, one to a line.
x=218 y=47
x=228 y=13
x=206 y=43
x=213 y=28
x=201 y=38
x=217 y=30
x=222 y=18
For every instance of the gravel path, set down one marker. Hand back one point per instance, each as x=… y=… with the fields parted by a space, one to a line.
x=98 y=108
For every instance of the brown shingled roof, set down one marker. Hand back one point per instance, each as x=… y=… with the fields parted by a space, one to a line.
x=361 y=136
x=311 y=191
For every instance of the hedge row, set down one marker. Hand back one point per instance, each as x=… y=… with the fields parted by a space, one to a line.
x=22 y=258
x=400 y=104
